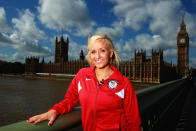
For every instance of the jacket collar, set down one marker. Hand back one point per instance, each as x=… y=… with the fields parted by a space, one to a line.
x=116 y=75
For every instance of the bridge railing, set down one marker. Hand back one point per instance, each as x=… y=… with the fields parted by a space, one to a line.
x=159 y=108
x=160 y=105
x=67 y=122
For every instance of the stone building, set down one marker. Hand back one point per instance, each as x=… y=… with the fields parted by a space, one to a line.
x=152 y=68
x=61 y=50
x=142 y=68
x=31 y=65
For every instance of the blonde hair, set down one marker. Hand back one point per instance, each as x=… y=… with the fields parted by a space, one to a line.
x=108 y=41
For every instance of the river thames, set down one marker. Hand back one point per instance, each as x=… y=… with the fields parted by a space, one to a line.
x=21 y=98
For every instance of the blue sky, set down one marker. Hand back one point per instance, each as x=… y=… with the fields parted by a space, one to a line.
x=29 y=27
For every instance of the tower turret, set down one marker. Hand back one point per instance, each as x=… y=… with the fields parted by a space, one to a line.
x=61 y=50
x=182 y=50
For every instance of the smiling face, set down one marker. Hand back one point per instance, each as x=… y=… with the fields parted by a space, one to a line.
x=100 y=53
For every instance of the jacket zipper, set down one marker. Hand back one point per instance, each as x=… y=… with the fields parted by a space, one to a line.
x=95 y=113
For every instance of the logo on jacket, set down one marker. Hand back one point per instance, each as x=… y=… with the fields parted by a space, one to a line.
x=112 y=84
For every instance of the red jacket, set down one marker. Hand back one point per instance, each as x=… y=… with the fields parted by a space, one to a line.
x=110 y=106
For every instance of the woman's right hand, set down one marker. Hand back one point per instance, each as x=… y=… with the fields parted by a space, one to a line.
x=50 y=115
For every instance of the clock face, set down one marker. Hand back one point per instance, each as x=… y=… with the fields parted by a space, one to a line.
x=182 y=40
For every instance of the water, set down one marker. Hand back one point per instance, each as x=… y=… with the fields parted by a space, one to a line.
x=21 y=98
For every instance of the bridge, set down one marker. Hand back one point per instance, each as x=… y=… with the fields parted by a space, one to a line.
x=166 y=107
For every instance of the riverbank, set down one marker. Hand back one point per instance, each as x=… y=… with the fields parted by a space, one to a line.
x=69 y=77
x=38 y=76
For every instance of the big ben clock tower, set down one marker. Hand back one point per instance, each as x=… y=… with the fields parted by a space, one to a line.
x=182 y=50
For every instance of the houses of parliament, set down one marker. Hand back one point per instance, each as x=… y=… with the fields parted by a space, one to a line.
x=141 y=68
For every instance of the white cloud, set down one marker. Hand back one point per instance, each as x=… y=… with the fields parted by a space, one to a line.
x=4 y=57
x=192 y=62
x=149 y=42
x=31 y=47
x=3 y=22
x=145 y=42
x=132 y=12
x=75 y=48
x=25 y=37
x=190 y=24
x=192 y=43
x=5 y=40
x=70 y=15
x=24 y=46
x=170 y=53
x=164 y=18
x=12 y=58
x=161 y=18
x=115 y=32
x=26 y=26
x=125 y=49
x=47 y=59
x=17 y=56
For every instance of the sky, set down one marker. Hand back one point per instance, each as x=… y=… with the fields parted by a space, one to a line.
x=29 y=27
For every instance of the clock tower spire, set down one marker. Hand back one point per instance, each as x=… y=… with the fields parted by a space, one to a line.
x=182 y=50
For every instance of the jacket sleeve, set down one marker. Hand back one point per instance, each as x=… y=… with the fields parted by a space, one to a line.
x=70 y=100
x=131 y=108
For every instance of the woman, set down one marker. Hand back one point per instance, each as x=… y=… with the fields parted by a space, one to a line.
x=107 y=98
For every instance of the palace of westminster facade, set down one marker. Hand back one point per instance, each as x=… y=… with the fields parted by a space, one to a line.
x=141 y=68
